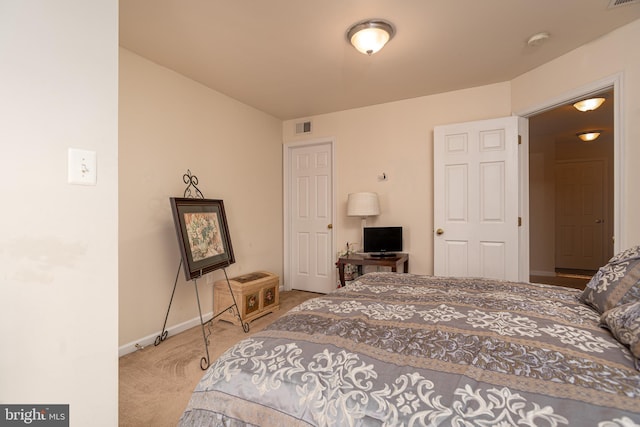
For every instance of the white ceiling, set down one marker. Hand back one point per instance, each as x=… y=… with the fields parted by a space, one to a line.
x=291 y=59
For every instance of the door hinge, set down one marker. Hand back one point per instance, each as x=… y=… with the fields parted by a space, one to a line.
x=519 y=221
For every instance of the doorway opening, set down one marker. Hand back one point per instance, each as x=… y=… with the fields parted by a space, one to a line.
x=571 y=193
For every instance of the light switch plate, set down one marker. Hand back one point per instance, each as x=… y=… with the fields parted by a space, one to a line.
x=82 y=167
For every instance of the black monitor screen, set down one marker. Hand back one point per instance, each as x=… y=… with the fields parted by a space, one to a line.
x=382 y=239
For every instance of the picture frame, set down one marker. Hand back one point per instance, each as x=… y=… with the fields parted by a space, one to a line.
x=203 y=235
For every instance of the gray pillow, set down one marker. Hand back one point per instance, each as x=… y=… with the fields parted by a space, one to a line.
x=624 y=323
x=616 y=283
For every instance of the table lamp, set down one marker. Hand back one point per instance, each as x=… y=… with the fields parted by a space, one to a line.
x=363 y=205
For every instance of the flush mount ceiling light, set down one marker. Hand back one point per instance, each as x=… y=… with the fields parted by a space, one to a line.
x=371 y=35
x=588 y=104
x=591 y=135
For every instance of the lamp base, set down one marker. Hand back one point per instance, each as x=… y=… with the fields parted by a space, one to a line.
x=363 y=224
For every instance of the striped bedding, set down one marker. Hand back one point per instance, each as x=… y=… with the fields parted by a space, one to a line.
x=406 y=350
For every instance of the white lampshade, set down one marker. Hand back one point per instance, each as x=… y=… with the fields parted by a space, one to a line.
x=363 y=204
x=370 y=36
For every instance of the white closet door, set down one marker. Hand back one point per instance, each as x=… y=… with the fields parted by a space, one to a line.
x=312 y=263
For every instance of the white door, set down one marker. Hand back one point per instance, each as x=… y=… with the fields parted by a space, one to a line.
x=311 y=265
x=476 y=199
x=580 y=215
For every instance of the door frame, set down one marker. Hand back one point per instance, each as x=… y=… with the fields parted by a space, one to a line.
x=287 y=150
x=614 y=81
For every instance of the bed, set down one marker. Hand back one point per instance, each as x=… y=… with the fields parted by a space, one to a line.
x=407 y=350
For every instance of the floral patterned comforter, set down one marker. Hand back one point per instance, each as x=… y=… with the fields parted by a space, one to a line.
x=406 y=350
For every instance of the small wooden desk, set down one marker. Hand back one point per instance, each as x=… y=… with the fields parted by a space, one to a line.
x=362 y=259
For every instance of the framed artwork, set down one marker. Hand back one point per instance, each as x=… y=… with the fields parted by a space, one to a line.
x=203 y=235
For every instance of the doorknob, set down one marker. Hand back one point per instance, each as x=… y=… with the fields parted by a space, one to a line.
x=439 y=231
x=330 y=226
x=599 y=221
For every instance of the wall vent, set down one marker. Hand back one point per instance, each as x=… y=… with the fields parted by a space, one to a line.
x=303 y=127
x=618 y=3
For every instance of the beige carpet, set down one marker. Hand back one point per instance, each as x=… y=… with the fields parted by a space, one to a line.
x=155 y=383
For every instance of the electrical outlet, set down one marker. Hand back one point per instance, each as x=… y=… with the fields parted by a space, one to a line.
x=82 y=167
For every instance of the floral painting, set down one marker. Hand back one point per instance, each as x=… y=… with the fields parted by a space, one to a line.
x=203 y=231
x=203 y=235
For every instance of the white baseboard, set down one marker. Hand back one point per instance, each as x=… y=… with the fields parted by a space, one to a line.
x=150 y=339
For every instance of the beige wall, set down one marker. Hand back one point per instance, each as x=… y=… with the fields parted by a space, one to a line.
x=170 y=124
x=397 y=139
x=614 y=53
x=58 y=242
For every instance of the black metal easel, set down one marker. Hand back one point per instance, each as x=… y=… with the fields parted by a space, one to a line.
x=192 y=191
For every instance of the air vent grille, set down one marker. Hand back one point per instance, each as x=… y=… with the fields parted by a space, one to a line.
x=618 y=3
x=303 y=127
